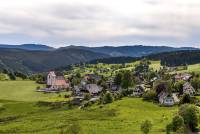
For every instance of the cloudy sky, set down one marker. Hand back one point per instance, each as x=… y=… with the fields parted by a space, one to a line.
x=100 y=22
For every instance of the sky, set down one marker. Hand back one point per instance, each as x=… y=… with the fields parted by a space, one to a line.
x=100 y=22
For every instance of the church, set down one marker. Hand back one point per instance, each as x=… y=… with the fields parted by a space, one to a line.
x=56 y=81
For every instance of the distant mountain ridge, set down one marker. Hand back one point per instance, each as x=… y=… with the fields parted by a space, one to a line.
x=30 y=58
x=171 y=59
x=130 y=51
x=33 y=47
x=42 y=61
x=127 y=51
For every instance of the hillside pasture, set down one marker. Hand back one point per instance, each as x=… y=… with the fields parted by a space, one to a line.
x=22 y=91
x=22 y=114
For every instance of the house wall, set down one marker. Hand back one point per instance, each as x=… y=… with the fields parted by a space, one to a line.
x=51 y=79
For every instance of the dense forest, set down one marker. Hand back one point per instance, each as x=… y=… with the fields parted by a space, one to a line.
x=177 y=58
x=40 y=61
x=114 y=60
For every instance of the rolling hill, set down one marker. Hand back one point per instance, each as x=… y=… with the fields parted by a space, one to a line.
x=28 y=47
x=130 y=51
x=172 y=59
x=177 y=58
x=39 y=61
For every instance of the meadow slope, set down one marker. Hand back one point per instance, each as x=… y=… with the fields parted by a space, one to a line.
x=19 y=113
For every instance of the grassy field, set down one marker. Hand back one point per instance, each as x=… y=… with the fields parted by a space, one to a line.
x=191 y=68
x=22 y=91
x=155 y=65
x=19 y=113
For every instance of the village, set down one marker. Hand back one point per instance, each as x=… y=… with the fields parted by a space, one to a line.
x=135 y=95
x=159 y=86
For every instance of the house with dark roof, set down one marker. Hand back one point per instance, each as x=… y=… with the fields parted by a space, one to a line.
x=184 y=76
x=93 y=89
x=92 y=76
x=188 y=89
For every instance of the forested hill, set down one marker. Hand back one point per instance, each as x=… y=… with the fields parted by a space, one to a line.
x=177 y=58
x=115 y=60
x=38 y=61
x=32 y=47
x=130 y=51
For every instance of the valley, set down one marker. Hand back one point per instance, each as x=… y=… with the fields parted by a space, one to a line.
x=25 y=110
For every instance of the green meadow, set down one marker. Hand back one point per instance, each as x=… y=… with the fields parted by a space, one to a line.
x=21 y=114
x=191 y=68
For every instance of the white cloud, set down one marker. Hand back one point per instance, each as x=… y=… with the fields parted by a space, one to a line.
x=101 y=21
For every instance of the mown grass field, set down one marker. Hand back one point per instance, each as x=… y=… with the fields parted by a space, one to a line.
x=191 y=68
x=22 y=91
x=19 y=113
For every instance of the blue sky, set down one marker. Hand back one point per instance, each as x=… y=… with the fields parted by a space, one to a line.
x=100 y=22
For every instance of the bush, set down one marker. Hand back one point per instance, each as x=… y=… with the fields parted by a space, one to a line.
x=87 y=96
x=107 y=98
x=73 y=128
x=146 y=127
x=177 y=123
x=38 y=87
x=168 y=128
x=185 y=99
x=126 y=92
x=190 y=114
x=188 y=99
x=150 y=96
x=86 y=104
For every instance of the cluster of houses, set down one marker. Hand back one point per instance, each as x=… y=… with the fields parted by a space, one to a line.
x=164 y=97
x=57 y=82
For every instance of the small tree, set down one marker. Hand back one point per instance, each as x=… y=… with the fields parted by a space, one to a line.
x=185 y=99
x=177 y=123
x=107 y=98
x=118 y=79
x=190 y=114
x=74 y=128
x=146 y=126
x=168 y=128
x=87 y=96
x=127 y=79
x=150 y=96
x=179 y=86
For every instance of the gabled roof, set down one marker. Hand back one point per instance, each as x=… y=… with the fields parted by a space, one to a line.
x=187 y=88
x=93 y=88
x=61 y=82
x=52 y=73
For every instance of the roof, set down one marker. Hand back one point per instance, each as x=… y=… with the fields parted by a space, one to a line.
x=94 y=76
x=187 y=88
x=161 y=96
x=184 y=76
x=52 y=73
x=93 y=88
x=60 y=82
